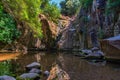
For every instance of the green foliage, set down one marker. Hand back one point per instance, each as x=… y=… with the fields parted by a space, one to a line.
x=52 y=11
x=69 y=7
x=114 y=3
x=1 y=8
x=8 y=31
x=26 y=11
x=5 y=68
x=113 y=6
x=86 y=3
x=101 y=34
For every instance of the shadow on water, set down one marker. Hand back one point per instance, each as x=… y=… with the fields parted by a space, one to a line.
x=77 y=68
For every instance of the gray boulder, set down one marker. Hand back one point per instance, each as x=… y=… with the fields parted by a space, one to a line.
x=34 y=70
x=96 y=54
x=30 y=76
x=33 y=65
x=5 y=77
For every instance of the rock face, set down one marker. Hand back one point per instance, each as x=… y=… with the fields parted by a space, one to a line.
x=29 y=76
x=67 y=38
x=27 y=40
x=33 y=65
x=5 y=77
x=89 y=26
x=50 y=31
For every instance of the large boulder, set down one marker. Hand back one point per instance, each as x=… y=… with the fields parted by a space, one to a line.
x=111 y=47
x=5 y=77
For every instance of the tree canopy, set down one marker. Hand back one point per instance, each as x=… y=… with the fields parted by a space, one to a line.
x=69 y=7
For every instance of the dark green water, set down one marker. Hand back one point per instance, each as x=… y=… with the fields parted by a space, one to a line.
x=77 y=68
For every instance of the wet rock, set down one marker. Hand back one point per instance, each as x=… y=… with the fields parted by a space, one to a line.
x=95 y=49
x=5 y=77
x=99 y=53
x=34 y=70
x=96 y=54
x=34 y=76
x=87 y=52
x=33 y=65
x=46 y=73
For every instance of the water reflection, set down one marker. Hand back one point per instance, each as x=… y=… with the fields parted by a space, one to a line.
x=77 y=68
x=8 y=56
x=6 y=68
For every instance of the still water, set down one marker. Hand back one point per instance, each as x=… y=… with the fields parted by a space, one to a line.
x=77 y=68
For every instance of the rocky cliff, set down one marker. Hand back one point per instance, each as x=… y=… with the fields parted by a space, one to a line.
x=28 y=40
x=92 y=24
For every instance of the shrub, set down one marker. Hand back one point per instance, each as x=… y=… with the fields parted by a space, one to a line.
x=8 y=30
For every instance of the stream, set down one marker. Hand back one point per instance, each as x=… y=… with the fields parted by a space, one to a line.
x=77 y=68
